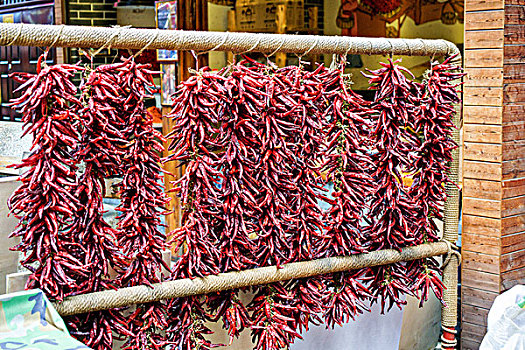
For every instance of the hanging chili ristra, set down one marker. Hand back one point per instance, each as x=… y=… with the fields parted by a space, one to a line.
x=142 y=202
x=434 y=126
x=198 y=106
x=101 y=152
x=392 y=210
x=45 y=202
x=348 y=166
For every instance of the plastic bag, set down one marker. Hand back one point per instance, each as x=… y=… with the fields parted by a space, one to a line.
x=506 y=322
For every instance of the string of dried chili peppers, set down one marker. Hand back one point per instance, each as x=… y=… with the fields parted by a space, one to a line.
x=101 y=151
x=348 y=165
x=45 y=203
x=142 y=202
x=240 y=141
x=434 y=127
x=286 y=231
x=392 y=210
x=199 y=105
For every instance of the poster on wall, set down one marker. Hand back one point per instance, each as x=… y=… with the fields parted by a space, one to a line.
x=371 y=18
x=168 y=84
x=166 y=18
x=43 y=14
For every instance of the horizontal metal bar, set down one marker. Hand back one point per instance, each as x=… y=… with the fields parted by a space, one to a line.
x=131 y=38
x=110 y=299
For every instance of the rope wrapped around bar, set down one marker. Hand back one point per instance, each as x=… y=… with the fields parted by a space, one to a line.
x=449 y=312
x=110 y=299
x=131 y=38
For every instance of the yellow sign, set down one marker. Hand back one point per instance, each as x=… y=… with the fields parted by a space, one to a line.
x=10 y=18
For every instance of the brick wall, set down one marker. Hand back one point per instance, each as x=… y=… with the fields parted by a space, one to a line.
x=99 y=13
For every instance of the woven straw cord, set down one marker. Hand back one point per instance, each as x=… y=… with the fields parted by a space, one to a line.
x=449 y=311
x=110 y=299
x=130 y=38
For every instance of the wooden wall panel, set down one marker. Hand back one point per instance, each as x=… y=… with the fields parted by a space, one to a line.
x=513 y=188
x=513 y=112
x=467 y=344
x=485 y=20
x=511 y=278
x=480 y=280
x=481 y=225
x=481 y=262
x=513 y=54
x=512 y=243
x=481 y=243
x=514 y=72
x=482 y=151
x=512 y=224
x=483 y=96
x=513 y=169
x=484 y=39
x=482 y=207
x=514 y=92
x=512 y=261
x=484 y=77
x=481 y=170
x=513 y=206
x=514 y=34
x=514 y=149
x=478 y=297
x=514 y=131
x=493 y=237
x=482 y=133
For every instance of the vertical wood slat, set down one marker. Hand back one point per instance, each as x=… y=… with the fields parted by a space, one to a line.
x=280 y=18
x=232 y=27
x=483 y=5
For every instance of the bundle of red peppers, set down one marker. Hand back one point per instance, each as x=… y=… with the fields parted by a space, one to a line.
x=82 y=135
x=265 y=150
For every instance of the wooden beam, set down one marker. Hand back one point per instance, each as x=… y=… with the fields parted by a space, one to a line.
x=60 y=18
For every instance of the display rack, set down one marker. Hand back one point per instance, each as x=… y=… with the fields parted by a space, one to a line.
x=130 y=38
